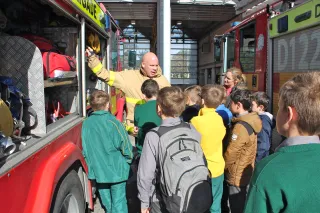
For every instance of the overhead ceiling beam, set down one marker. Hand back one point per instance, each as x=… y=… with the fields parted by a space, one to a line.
x=127 y=1
x=198 y=2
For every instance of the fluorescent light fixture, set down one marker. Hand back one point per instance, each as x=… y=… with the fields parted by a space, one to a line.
x=133 y=22
x=185 y=1
x=179 y=22
x=208 y=2
x=230 y=2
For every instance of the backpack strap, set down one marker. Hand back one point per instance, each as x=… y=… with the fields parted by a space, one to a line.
x=247 y=126
x=164 y=129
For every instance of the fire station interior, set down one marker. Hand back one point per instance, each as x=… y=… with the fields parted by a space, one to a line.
x=34 y=38
x=54 y=97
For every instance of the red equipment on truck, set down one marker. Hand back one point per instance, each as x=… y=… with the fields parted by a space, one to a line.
x=47 y=171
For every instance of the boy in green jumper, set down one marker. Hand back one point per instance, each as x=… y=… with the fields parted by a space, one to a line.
x=145 y=115
x=288 y=180
x=108 y=153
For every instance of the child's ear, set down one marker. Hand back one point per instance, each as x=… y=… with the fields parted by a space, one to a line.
x=261 y=107
x=239 y=105
x=188 y=100
x=292 y=114
x=202 y=102
x=159 y=112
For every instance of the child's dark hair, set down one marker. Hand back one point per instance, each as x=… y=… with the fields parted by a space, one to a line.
x=150 y=88
x=242 y=96
x=261 y=98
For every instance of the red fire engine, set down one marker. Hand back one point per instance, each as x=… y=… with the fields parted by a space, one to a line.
x=245 y=45
x=275 y=41
x=44 y=170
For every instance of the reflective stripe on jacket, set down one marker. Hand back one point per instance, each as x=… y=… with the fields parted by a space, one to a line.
x=129 y=82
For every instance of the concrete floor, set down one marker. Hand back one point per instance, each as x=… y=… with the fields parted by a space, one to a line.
x=132 y=192
x=133 y=201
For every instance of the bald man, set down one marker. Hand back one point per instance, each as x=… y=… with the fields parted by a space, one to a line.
x=130 y=82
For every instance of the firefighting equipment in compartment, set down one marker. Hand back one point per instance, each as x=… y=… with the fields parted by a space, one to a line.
x=94 y=42
x=44 y=45
x=22 y=114
x=6 y=121
x=56 y=64
x=7 y=147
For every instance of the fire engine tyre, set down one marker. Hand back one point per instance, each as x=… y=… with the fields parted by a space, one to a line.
x=69 y=197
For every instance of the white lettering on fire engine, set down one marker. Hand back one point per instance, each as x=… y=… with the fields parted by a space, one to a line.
x=299 y=52
x=260 y=42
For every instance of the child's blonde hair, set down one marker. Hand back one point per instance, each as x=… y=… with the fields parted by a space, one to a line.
x=302 y=92
x=99 y=100
x=194 y=93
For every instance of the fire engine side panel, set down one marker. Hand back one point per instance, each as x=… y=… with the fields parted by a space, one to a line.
x=30 y=186
x=296 y=49
x=295 y=53
x=261 y=53
x=236 y=62
x=256 y=81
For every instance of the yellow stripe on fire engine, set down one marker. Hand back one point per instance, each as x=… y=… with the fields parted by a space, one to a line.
x=92 y=9
x=300 y=17
x=135 y=101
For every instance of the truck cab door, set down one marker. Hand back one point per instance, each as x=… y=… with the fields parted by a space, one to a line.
x=228 y=51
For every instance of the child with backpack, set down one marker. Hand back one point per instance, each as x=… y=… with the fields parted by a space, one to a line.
x=172 y=175
x=145 y=115
x=242 y=148
x=210 y=125
x=108 y=153
x=260 y=102
x=193 y=102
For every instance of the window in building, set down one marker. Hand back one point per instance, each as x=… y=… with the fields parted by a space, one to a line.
x=247 y=48
x=184 y=61
x=217 y=49
x=134 y=45
x=139 y=48
x=209 y=73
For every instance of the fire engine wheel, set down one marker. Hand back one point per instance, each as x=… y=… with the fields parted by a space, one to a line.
x=69 y=197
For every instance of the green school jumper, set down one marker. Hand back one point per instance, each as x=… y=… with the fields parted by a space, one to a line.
x=287 y=181
x=145 y=118
x=108 y=153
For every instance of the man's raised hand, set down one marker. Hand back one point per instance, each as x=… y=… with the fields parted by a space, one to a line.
x=89 y=51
